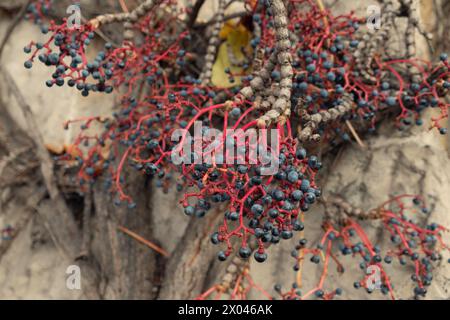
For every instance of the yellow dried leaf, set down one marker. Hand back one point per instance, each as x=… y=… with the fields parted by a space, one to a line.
x=237 y=37
x=226 y=29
